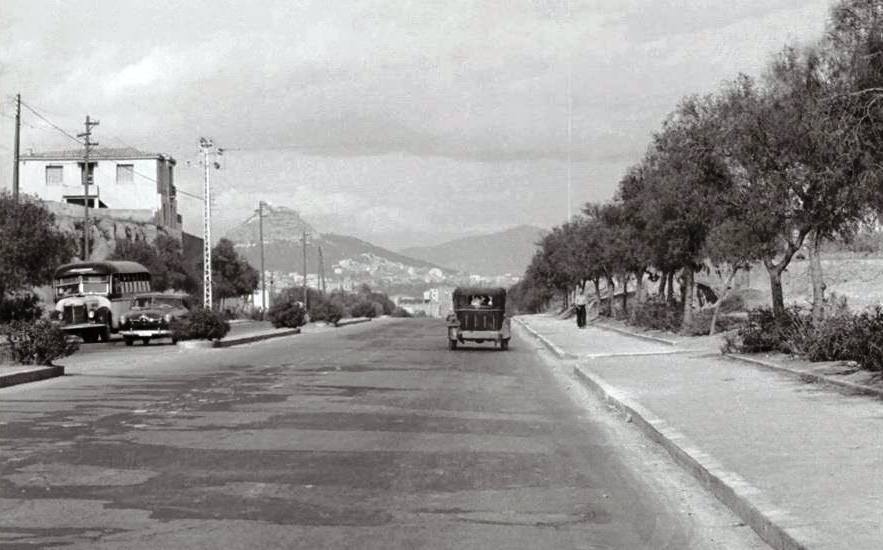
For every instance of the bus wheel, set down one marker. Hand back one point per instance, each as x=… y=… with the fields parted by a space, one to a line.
x=104 y=334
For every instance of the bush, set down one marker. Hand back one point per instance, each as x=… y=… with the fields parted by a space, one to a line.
x=764 y=332
x=842 y=336
x=287 y=314
x=656 y=314
x=366 y=308
x=327 y=311
x=37 y=343
x=702 y=323
x=20 y=307
x=200 y=324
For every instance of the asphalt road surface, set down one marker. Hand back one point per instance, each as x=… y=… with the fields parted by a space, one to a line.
x=371 y=436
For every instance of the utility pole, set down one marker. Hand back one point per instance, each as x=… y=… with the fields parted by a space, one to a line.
x=88 y=144
x=306 y=296
x=15 y=153
x=264 y=300
x=206 y=145
x=321 y=270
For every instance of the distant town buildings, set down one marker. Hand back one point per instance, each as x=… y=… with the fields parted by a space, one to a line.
x=122 y=179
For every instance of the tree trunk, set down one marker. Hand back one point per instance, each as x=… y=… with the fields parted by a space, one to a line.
x=611 y=288
x=817 y=278
x=625 y=294
x=662 y=280
x=687 y=291
x=640 y=289
x=778 y=297
x=597 y=283
x=717 y=306
x=670 y=298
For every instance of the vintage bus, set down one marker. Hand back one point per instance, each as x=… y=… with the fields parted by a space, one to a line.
x=90 y=297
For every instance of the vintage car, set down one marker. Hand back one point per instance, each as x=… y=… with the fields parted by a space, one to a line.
x=151 y=315
x=479 y=315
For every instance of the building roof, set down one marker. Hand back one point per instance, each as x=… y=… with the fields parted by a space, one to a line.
x=99 y=153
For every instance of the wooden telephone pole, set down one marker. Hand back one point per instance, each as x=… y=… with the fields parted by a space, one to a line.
x=88 y=144
x=264 y=300
x=321 y=270
x=15 y=151
x=306 y=296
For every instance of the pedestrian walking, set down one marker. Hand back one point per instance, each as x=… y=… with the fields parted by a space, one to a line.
x=580 y=303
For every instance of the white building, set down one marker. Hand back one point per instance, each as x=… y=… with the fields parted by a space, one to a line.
x=122 y=179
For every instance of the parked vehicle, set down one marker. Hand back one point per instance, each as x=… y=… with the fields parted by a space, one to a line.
x=92 y=296
x=479 y=315
x=150 y=316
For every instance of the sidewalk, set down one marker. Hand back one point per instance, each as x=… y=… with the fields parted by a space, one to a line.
x=802 y=464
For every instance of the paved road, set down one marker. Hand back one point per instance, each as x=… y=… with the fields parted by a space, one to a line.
x=372 y=436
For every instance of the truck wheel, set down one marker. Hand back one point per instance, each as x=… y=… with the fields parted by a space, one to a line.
x=504 y=344
x=129 y=341
x=452 y=345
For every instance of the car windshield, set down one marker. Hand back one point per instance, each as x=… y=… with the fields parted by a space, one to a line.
x=157 y=302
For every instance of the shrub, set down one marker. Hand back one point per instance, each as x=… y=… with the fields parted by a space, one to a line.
x=656 y=314
x=764 y=332
x=366 y=308
x=20 y=307
x=37 y=343
x=200 y=324
x=842 y=336
x=327 y=311
x=287 y=314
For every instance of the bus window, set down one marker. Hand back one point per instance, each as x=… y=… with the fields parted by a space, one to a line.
x=67 y=286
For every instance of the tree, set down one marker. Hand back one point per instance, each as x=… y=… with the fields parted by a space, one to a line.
x=232 y=276
x=31 y=246
x=164 y=259
x=798 y=161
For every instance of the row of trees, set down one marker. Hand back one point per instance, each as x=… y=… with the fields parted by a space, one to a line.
x=232 y=275
x=744 y=176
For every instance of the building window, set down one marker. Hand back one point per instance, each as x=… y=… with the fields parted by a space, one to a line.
x=54 y=175
x=125 y=173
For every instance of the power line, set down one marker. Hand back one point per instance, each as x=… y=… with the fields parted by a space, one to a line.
x=50 y=123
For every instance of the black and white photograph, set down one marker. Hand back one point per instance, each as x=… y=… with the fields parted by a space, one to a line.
x=443 y=275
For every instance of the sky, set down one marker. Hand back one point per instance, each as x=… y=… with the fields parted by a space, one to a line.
x=402 y=122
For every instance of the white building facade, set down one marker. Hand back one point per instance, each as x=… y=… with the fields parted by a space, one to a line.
x=122 y=179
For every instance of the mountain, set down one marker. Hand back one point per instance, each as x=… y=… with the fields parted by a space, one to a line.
x=343 y=256
x=508 y=251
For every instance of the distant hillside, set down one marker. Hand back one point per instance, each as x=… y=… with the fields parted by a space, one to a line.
x=508 y=251
x=283 y=248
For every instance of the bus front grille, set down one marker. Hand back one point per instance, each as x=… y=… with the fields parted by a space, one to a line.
x=74 y=314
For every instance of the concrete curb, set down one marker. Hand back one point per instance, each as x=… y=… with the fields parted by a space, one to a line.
x=772 y=524
x=807 y=376
x=347 y=322
x=31 y=375
x=559 y=353
x=248 y=339
x=635 y=334
x=775 y=526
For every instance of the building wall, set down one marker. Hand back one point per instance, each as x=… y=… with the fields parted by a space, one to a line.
x=149 y=189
